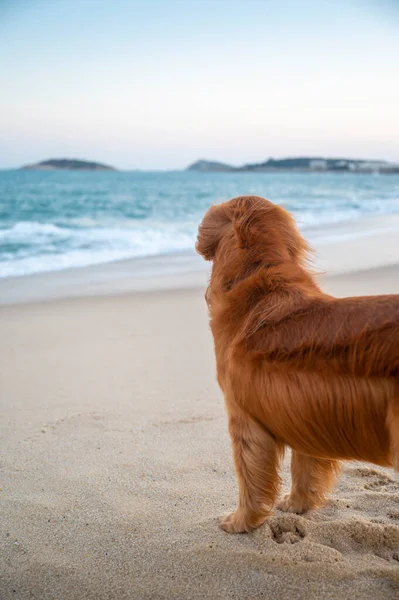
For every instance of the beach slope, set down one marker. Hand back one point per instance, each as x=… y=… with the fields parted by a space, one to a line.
x=116 y=463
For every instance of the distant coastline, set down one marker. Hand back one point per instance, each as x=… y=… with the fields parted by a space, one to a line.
x=301 y=164
x=291 y=164
x=67 y=164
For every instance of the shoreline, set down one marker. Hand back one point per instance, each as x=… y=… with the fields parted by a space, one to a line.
x=366 y=244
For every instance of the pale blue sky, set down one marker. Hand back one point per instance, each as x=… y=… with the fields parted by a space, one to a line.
x=160 y=83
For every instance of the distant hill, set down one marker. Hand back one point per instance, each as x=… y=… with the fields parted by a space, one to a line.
x=304 y=164
x=209 y=165
x=69 y=164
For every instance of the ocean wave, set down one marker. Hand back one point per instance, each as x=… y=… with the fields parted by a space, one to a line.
x=59 y=222
x=25 y=228
x=33 y=247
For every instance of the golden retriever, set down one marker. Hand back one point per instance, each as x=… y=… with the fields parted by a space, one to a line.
x=297 y=367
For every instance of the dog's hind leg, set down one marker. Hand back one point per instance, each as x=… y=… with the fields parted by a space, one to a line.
x=312 y=478
x=393 y=427
x=256 y=456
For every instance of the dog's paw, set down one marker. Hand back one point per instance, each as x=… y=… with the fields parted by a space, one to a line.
x=234 y=523
x=241 y=522
x=288 y=504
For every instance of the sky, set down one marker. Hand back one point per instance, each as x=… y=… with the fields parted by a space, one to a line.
x=158 y=84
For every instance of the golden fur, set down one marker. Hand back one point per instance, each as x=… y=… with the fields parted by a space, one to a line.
x=297 y=367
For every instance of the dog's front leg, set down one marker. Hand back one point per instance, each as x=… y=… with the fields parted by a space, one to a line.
x=256 y=456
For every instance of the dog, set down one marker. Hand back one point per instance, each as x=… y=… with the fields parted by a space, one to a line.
x=297 y=367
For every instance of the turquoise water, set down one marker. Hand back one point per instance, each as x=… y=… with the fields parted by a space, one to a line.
x=54 y=220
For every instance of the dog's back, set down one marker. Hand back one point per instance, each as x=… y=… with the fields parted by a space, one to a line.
x=324 y=377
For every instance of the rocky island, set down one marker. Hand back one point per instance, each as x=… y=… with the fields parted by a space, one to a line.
x=209 y=165
x=68 y=164
x=302 y=164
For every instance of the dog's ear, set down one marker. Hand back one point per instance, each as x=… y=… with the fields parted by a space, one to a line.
x=247 y=219
x=260 y=224
x=242 y=228
x=210 y=231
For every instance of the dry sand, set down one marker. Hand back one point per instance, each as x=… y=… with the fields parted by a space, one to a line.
x=115 y=465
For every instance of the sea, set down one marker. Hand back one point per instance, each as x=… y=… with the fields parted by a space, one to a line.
x=55 y=220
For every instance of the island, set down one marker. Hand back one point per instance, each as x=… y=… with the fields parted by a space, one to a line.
x=68 y=164
x=304 y=164
x=209 y=165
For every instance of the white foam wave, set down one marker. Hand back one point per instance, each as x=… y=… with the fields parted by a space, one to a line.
x=29 y=247
x=40 y=247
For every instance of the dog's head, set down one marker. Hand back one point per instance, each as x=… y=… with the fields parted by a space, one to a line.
x=249 y=230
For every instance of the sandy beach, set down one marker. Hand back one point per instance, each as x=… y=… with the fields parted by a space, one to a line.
x=115 y=456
